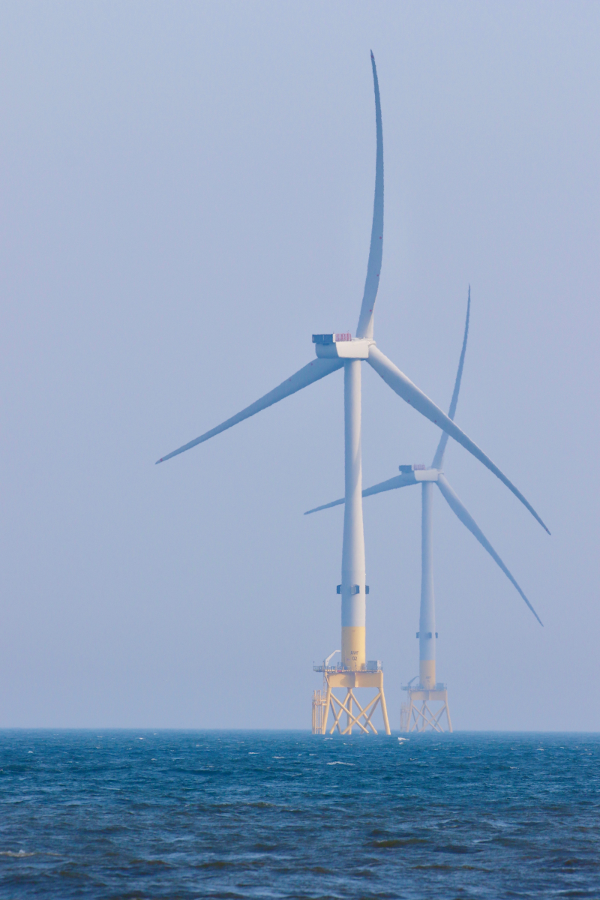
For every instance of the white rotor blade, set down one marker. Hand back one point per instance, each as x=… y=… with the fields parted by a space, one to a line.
x=439 y=453
x=315 y=370
x=404 y=387
x=398 y=481
x=364 y=328
x=457 y=507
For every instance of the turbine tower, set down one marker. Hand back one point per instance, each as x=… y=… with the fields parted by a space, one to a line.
x=337 y=351
x=417 y=714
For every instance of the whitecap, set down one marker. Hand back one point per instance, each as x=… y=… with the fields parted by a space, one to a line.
x=339 y=763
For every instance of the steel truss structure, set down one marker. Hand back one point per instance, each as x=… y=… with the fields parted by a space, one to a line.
x=347 y=706
x=417 y=715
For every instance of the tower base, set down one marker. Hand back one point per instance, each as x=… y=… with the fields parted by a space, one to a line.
x=423 y=712
x=346 y=712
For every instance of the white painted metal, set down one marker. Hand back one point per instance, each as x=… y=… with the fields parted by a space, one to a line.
x=426 y=474
x=343 y=350
x=404 y=387
x=331 y=655
x=426 y=477
x=382 y=365
x=438 y=459
x=314 y=371
x=353 y=550
x=469 y=522
x=397 y=482
x=427 y=612
x=365 y=321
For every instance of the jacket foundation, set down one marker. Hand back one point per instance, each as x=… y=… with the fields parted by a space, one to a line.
x=345 y=712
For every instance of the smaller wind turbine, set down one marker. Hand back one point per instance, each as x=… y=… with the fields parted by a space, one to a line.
x=428 y=690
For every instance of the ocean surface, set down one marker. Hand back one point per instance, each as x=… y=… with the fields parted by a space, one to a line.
x=182 y=814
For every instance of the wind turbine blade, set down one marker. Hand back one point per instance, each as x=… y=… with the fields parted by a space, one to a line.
x=398 y=482
x=468 y=521
x=325 y=506
x=404 y=387
x=314 y=371
x=439 y=453
x=364 y=328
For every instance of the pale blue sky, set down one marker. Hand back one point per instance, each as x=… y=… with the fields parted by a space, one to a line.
x=186 y=196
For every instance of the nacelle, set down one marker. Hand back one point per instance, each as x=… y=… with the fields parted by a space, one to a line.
x=420 y=472
x=340 y=346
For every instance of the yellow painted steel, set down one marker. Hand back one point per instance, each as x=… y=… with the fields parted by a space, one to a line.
x=318 y=708
x=354 y=654
x=356 y=716
x=427 y=674
x=419 y=715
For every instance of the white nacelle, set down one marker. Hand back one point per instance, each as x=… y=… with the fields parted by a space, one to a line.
x=334 y=346
x=426 y=474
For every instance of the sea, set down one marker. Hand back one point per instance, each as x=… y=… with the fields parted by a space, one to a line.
x=274 y=814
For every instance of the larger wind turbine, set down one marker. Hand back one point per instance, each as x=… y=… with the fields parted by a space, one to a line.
x=427 y=477
x=337 y=351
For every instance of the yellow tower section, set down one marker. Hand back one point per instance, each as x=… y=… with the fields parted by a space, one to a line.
x=427 y=673
x=354 y=654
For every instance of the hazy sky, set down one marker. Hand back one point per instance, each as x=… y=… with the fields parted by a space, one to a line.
x=187 y=195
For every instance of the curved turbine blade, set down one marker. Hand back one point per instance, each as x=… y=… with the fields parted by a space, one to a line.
x=364 y=328
x=404 y=387
x=439 y=453
x=314 y=371
x=398 y=482
x=468 y=521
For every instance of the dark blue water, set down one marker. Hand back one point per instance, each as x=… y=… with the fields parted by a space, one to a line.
x=285 y=814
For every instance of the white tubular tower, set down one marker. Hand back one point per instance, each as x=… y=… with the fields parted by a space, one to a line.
x=353 y=672
x=427 y=635
x=427 y=701
x=353 y=551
